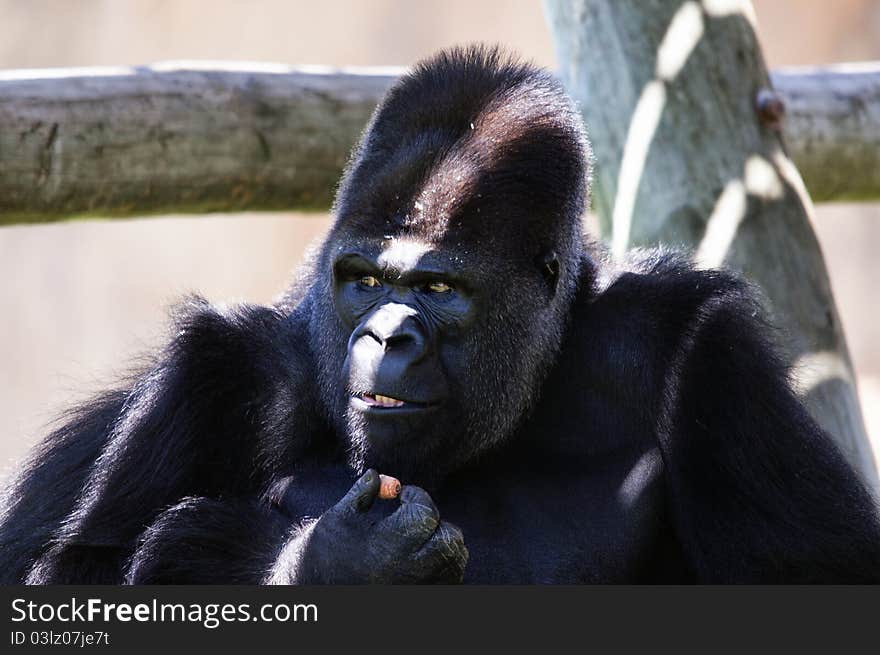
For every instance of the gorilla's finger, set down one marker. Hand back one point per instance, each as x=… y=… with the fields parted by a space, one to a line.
x=361 y=495
x=413 y=495
x=444 y=556
x=449 y=542
x=451 y=573
x=412 y=525
x=415 y=520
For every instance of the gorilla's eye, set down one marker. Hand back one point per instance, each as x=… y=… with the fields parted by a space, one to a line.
x=369 y=281
x=439 y=287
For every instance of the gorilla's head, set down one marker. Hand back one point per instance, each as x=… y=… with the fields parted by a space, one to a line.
x=443 y=288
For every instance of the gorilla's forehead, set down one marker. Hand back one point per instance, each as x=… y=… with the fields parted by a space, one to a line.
x=408 y=252
x=405 y=254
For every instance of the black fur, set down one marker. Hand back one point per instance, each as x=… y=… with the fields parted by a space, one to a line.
x=599 y=422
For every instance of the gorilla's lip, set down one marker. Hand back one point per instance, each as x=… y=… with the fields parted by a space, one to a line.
x=385 y=403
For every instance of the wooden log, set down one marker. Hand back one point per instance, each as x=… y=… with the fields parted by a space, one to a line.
x=832 y=128
x=173 y=138
x=189 y=137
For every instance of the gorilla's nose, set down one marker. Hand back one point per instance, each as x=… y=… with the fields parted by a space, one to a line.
x=397 y=328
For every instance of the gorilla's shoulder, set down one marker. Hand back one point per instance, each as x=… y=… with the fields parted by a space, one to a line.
x=627 y=328
x=197 y=323
x=630 y=318
x=242 y=341
x=662 y=285
x=195 y=313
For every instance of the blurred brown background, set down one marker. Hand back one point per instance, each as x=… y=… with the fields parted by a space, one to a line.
x=80 y=300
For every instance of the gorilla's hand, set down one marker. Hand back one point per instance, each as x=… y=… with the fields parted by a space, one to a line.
x=411 y=545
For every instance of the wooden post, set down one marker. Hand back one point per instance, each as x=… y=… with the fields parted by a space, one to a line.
x=686 y=131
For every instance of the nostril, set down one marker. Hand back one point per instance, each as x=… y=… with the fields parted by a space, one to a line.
x=399 y=341
x=395 y=328
x=375 y=337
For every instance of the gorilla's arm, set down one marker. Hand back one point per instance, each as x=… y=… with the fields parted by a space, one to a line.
x=757 y=491
x=206 y=541
x=207 y=420
x=44 y=493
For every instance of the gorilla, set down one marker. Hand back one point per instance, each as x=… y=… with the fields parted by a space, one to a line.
x=555 y=417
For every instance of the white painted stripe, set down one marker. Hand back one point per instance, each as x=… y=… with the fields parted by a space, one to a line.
x=789 y=172
x=813 y=369
x=761 y=178
x=722 y=226
x=721 y=8
x=684 y=33
x=681 y=37
x=642 y=127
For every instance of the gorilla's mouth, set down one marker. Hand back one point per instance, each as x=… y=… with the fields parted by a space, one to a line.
x=381 y=402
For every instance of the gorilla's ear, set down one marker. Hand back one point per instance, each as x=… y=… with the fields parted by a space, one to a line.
x=548 y=264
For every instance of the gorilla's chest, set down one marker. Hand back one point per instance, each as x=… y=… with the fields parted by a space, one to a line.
x=595 y=520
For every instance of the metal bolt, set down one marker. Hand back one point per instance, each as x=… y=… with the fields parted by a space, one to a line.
x=770 y=108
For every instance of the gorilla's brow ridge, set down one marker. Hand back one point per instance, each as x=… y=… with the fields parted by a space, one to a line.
x=403 y=254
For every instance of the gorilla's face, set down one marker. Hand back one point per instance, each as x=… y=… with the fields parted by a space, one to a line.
x=441 y=294
x=431 y=354
x=408 y=311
